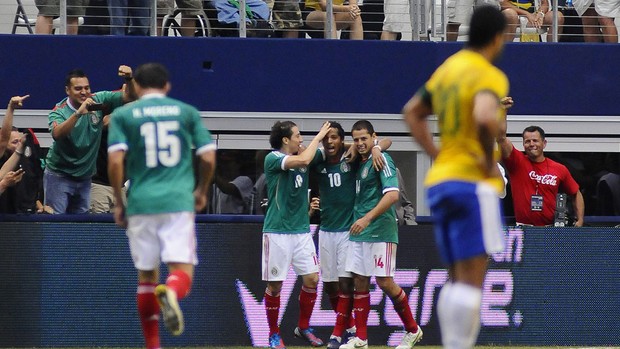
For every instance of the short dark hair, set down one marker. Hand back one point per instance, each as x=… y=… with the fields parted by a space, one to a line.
x=363 y=125
x=75 y=73
x=151 y=75
x=534 y=129
x=337 y=126
x=280 y=130
x=486 y=22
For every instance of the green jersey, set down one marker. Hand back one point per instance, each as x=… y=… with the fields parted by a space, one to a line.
x=76 y=154
x=337 y=189
x=370 y=185
x=158 y=133
x=287 y=193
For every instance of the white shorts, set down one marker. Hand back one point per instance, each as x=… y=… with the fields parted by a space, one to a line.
x=280 y=251
x=333 y=250
x=372 y=258
x=397 y=18
x=166 y=237
x=460 y=11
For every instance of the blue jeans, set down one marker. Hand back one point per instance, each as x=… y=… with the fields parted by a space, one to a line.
x=65 y=194
x=137 y=11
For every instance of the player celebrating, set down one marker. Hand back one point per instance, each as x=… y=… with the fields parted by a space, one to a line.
x=154 y=136
x=286 y=231
x=337 y=190
x=464 y=182
x=374 y=236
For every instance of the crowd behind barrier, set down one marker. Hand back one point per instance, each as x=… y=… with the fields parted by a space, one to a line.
x=578 y=21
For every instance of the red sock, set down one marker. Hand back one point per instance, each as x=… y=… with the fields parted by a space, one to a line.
x=180 y=282
x=333 y=300
x=307 y=297
x=343 y=314
x=272 y=305
x=401 y=305
x=361 y=309
x=148 y=310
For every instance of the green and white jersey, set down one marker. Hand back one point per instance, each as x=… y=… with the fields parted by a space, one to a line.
x=158 y=133
x=369 y=187
x=337 y=190
x=76 y=154
x=287 y=193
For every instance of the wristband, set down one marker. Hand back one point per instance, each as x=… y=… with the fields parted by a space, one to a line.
x=19 y=152
x=378 y=146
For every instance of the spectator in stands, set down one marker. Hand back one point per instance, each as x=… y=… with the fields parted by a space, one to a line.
x=76 y=124
x=259 y=192
x=459 y=11
x=345 y=17
x=598 y=20
x=405 y=213
x=129 y=17
x=539 y=18
x=190 y=10
x=396 y=20
x=286 y=17
x=231 y=192
x=25 y=193
x=536 y=180
x=48 y=9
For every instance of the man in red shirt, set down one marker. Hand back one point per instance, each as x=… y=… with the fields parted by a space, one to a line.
x=536 y=180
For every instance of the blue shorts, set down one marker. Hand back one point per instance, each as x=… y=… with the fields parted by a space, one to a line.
x=467 y=220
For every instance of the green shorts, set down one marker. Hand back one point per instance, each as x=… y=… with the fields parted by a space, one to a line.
x=51 y=8
x=286 y=13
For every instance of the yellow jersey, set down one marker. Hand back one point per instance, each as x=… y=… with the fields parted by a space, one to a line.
x=451 y=90
x=315 y=5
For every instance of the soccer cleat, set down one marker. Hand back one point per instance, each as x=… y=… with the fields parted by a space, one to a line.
x=410 y=339
x=355 y=343
x=348 y=334
x=308 y=336
x=275 y=342
x=334 y=342
x=173 y=317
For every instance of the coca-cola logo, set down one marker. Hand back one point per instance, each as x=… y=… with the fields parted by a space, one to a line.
x=544 y=179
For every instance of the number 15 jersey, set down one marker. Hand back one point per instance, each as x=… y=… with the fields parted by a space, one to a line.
x=158 y=133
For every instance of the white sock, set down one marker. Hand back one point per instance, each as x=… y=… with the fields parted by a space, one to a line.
x=458 y=310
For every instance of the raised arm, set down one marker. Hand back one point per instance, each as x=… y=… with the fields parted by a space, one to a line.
x=416 y=113
x=486 y=108
x=306 y=156
x=7 y=124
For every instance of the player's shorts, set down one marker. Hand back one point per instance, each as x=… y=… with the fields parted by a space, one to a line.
x=460 y=11
x=187 y=7
x=372 y=258
x=166 y=237
x=280 y=251
x=397 y=18
x=467 y=220
x=51 y=8
x=333 y=250
x=286 y=14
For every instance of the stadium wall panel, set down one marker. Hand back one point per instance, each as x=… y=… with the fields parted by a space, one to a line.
x=266 y=75
x=73 y=285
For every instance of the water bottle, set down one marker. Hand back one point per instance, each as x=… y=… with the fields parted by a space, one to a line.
x=569 y=4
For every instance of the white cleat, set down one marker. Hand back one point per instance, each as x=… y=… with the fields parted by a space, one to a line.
x=410 y=339
x=355 y=343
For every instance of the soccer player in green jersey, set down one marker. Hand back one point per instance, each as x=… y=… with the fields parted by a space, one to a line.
x=336 y=180
x=287 y=239
x=76 y=128
x=374 y=236
x=464 y=183
x=150 y=142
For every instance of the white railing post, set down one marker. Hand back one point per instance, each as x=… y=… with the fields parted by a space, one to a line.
x=63 y=17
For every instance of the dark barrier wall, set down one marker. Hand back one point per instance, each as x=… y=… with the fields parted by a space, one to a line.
x=218 y=74
x=73 y=285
